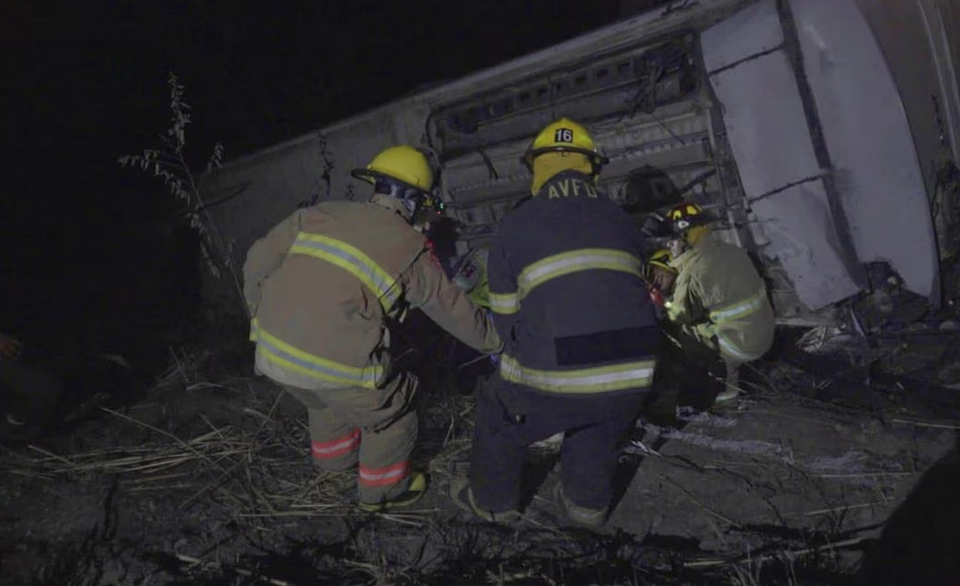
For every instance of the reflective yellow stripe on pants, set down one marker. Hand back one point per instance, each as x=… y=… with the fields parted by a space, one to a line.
x=293 y=359
x=558 y=265
x=600 y=379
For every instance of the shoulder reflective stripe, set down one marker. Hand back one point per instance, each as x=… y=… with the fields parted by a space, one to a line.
x=286 y=356
x=738 y=310
x=585 y=259
x=351 y=259
x=254 y=329
x=588 y=380
x=504 y=302
x=729 y=348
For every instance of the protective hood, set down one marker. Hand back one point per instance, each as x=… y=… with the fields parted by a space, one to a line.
x=547 y=165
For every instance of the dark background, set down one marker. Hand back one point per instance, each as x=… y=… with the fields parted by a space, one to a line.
x=92 y=253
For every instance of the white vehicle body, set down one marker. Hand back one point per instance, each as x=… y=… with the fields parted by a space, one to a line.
x=815 y=128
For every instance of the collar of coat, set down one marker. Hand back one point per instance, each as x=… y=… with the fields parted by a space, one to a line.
x=688 y=255
x=558 y=186
x=391 y=204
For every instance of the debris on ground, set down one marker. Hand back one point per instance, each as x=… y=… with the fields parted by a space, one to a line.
x=210 y=482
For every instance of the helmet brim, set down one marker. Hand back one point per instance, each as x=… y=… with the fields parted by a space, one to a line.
x=372 y=177
x=594 y=156
x=661 y=265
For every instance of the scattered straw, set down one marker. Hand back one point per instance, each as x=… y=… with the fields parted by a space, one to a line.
x=819 y=512
x=918 y=423
x=217 y=566
x=866 y=475
x=779 y=555
x=258 y=468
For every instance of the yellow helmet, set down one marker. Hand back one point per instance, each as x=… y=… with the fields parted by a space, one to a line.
x=660 y=259
x=401 y=163
x=565 y=135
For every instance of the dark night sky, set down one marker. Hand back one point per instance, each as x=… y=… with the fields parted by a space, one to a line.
x=85 y=81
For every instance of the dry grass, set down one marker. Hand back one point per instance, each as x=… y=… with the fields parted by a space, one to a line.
x=258 y=465
x=257 y=471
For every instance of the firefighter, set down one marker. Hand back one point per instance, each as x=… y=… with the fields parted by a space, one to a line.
x=565 y=278
x=719 y=307
x=323 y=287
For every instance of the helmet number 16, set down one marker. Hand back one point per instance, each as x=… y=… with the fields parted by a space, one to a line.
x=563 y=135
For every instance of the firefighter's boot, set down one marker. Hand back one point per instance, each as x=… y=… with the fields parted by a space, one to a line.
x=463 y=497
x=581 y=515
x=414 y=492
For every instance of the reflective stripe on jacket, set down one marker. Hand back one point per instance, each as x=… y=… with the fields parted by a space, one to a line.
x=352 y=260
x=567 y=293
x=558 y=265
x=588 y=380
x=719 y=290
x=323 y=283
x=286 y=357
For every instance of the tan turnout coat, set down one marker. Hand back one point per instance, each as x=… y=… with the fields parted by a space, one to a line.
x=720 y=297
x=322 y=285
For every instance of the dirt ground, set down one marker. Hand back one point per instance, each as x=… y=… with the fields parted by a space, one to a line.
x=207 y=480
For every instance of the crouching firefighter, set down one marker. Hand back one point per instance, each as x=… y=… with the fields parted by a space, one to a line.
x=580 y=335
x=322 y=287
x=719 y=311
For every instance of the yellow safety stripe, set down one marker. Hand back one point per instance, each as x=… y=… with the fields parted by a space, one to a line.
x=558 y=265
x=350 y=259
x=291 y=358
x=730 y=349
x=505 y=303
x=585 y=259
x=738 y=310
x=588 y=380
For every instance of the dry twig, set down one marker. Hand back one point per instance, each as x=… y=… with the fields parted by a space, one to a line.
x=217 y=566
x=770 y=557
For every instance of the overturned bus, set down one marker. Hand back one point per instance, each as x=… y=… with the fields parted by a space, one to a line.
x=822 y=134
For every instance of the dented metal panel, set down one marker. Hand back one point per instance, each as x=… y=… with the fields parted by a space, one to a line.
x=799 y=226
x=879 y=179
x=898 y=27
x=766 y=122
x=770 y=140
x=752 y=31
